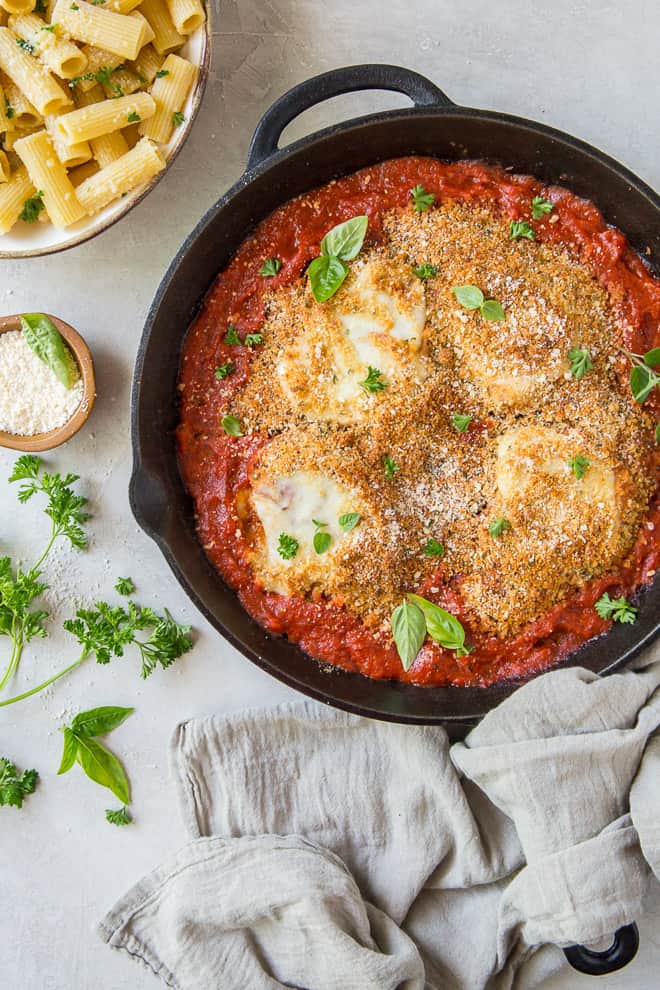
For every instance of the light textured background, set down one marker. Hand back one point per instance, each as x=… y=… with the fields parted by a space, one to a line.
x=588 y=67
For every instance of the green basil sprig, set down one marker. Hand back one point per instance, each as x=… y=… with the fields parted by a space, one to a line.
x=643 y=378
x=81 y=746
x=471 y=297
x=43 y=337
x=414 y=619
x=343 y=243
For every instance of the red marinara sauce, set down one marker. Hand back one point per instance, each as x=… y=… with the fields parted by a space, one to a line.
x=214 y=466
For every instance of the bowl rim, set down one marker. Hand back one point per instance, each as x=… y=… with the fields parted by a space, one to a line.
x=83 y=236
x=39 y=442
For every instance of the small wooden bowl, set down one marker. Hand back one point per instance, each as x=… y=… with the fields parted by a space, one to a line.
x=83 y=357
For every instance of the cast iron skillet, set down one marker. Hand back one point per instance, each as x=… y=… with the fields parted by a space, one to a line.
x=434 y=126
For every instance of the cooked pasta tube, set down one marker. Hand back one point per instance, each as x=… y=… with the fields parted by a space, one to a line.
x=60 y=55
x=6 y=111
x=136 y=167
x=147 y=30
x=24 y=70
x=122 y=82
x=102 y=118
x=122 y=6
x=187 y=15
x=12 y=198
x=147 y=64
x=170 y=92
x=17 y=6
x=108 y=147
x=166 y=36
x=98 y=61
x=5 y=170
x=120 y=34
x=49 y=175
x=69 y=154
x=82 y=172
x=22 y=113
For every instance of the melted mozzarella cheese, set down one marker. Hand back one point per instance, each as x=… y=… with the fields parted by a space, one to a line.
x=533 y=466
x=376 y=320
x=289 y=505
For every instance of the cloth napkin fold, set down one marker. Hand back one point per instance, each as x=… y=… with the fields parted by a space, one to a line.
x=332 y=852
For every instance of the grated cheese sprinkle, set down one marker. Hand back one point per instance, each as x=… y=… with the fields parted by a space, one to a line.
x=32 y=399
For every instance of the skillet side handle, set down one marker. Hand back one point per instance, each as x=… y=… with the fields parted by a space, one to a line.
x=622 y=950
x=350 y=79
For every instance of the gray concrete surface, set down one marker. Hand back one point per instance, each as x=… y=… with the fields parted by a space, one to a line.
x=588 y=67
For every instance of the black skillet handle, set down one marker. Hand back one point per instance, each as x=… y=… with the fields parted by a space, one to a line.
x=350 y=79
x=622 y=950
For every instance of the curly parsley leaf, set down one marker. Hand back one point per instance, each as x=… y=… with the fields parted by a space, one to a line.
x=460 y=421
x=521 y=228
x=253 y=339
x=425 y=271
x=14 y=788
x=32 y=207
x=374 y=381
x=390 y=467
x=579 y=465
x=270 y=267
x=231 y=336
x=581 y=362
x=498 y=526
x=178 y=118
x=433 y=548
x=541 y=207
x=122 y=816
x=125 y=586
x=421 y=199
x=224 y=370
x=617 y=609
x=64 y=508
x=287 y=546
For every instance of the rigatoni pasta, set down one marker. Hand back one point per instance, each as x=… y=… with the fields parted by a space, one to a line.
x=49 y=176
x=187 y=15
x=59 y=54
x=117 y=33
x=39 y=86
x=136 y=167
x=170 y=92
x=88 y=93
x=13 y=196
x=104 y=117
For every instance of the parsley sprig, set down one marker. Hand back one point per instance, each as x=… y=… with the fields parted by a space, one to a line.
x=421 y=199
x=617 y=609
x=14 y=788
x=581 y=362
x=374 y=382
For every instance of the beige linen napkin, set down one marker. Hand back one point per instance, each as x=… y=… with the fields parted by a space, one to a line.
x=337 y=853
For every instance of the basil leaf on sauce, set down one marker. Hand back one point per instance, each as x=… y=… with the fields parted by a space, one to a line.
x=345 y=240
x=441 y=626
x=326 y=275
x=231 y=426
x=652 y=358
x=48 y=344
x=408 y=631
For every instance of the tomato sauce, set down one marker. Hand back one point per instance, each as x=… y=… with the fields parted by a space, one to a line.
x=215 y=467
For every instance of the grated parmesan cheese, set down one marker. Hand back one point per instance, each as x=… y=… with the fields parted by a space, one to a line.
x=32 y=399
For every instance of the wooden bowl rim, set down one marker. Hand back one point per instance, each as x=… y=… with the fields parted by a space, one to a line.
x=83 y=356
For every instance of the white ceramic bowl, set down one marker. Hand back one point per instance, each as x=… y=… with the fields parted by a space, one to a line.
x=31 y=240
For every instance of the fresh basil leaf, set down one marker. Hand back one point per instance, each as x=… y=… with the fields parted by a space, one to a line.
x=70 y=751
x=492 y=310
x=48 y=344
x=103 y=768
x=99 y=721
x=349 y=521
x=408 y=632
x=326 y=274
x=642 y=383
x=231 y=426
x=322 y=541
x=652 y=358
x=469 y=296
x=345 y=240
x=441 y=626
